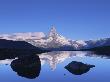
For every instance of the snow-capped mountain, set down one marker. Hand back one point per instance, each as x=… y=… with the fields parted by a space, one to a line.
x=54 y=41
x=97 y=43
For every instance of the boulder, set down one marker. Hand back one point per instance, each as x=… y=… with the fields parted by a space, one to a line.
x=78 y=68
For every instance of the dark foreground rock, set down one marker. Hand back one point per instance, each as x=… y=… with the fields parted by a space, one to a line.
x=27 y=66
x=78 y=68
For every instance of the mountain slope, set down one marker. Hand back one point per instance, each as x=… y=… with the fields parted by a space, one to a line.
x=14 y=46
x=11 y=49
x=54 y=41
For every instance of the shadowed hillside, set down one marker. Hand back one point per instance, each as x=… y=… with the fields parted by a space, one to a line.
x=11 y=49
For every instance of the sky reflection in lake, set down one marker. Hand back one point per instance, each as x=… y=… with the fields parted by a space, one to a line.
x=52 y=68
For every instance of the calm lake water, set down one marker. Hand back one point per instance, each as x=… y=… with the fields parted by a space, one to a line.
x=53 y=68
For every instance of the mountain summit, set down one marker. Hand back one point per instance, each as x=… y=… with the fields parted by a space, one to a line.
x=53 y=32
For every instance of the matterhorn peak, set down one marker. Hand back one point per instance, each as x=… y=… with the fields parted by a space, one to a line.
x=53 y=32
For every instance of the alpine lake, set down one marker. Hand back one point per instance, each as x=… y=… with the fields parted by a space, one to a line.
x=57 y=66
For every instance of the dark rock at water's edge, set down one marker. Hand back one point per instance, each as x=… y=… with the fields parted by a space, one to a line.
x=78 y=68
x=10 y=49
x=102 y=50
x=27 y=66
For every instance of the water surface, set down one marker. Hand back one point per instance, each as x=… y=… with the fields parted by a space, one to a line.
x=53 y=68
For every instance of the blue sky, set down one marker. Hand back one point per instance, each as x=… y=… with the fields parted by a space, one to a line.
x=75 y=19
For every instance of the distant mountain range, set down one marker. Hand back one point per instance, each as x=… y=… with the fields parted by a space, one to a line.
x=54 y=41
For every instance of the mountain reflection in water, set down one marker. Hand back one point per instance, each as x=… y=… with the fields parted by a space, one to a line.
x=56 y=57
x=63 y=64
